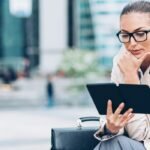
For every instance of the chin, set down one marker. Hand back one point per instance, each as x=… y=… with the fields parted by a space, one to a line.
x=138 y=56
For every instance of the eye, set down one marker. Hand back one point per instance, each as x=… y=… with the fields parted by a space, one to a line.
x=139 y=34
x=124 y=35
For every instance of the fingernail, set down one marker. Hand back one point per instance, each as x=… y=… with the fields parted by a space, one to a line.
x=122 y=103
x=131 y=109
x=109 y=101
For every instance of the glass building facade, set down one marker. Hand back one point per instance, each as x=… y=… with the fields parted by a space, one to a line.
x=83 y=31
x=19 y=36
x=96 y=25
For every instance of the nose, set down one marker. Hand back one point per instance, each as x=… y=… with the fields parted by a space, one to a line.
x=133 y=43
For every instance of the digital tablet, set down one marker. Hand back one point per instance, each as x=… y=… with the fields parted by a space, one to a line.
x=134 y=96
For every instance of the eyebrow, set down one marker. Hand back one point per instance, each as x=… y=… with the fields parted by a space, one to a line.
x=133 y=30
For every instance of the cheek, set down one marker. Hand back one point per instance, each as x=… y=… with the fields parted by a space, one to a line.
x=126 y=46
x=146 y=46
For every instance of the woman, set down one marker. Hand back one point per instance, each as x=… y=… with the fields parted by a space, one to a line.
x=132 y=66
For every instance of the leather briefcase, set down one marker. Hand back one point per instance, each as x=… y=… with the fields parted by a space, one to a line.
x=79 y=138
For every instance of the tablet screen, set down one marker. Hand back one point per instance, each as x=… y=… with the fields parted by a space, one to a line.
x=134 y=96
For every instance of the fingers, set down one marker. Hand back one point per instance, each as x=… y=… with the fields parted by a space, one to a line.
x=118 y=110
x=143 y=57
x=126 y=114
x=126 y=117
x=130 y=116
x=116 y=120
x=109 y=108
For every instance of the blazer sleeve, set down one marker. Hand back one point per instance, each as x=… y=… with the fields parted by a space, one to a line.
x=103 y=135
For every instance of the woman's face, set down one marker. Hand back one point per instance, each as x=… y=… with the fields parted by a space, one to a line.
x=132 y=22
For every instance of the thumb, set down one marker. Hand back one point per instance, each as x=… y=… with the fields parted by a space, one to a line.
x=143 y=57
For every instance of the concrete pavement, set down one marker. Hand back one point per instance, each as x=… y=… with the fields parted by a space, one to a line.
x=25 y=122
x=29 y=129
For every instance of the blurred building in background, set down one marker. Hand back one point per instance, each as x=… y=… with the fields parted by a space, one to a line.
x=42 y=30
x=19 y=35
x=84 y=37
x=105 y=16
x=53 y=31
x=96 y=24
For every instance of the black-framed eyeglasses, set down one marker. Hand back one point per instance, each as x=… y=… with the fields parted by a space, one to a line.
x=138 y=36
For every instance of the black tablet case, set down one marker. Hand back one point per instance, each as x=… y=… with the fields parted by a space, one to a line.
x=134 y=96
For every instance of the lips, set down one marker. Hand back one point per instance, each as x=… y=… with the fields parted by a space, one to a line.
x=136 y=52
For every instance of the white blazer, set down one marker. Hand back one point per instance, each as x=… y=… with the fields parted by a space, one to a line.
x=138 y=127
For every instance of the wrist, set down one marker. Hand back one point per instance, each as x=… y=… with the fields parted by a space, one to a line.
x=107 y=130
x=131 y=78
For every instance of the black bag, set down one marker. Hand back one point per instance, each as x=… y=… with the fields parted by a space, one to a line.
x=79 y=138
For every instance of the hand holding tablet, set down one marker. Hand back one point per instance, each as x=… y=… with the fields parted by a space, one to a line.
x=116 y=120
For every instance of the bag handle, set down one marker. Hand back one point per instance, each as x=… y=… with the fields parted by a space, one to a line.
x=85 y=119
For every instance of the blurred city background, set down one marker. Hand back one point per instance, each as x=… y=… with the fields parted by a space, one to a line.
x=49 y=51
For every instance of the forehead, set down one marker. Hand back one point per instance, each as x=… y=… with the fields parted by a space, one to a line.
x=134 y=20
